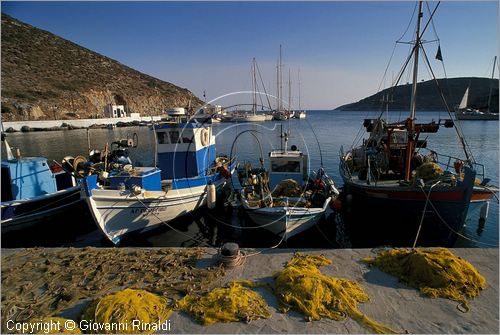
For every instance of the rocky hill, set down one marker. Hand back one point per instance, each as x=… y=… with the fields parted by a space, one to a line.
x=46 y=77
x=428 y=98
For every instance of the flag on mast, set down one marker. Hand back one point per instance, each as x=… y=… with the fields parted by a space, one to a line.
x=439 y=56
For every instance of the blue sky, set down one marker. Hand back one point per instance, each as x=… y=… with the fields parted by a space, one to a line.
x=341 y=48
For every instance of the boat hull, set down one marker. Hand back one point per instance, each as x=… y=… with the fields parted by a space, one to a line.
x=22 y=214
x=118 y=213
x=286 y=221
x=478 y=116
x=377 y=216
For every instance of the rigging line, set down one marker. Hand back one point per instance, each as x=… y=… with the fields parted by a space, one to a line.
x=400 y=74
x=432 y=21
x=387 y=68
x=177 y=231
x=317 y=141
x=269 y=248
x=263 y=86
x=251 y=131
x=409 y=22
x=465 y=146
x=240 y=227
x=427 y=198
x=457 y=233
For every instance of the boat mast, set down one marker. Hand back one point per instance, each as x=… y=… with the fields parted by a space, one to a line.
x=415 y=64
x=491 y=84
x=410 y=126
x=298 y=80
x=280 y=81
x=289 y=92
x=254 y=88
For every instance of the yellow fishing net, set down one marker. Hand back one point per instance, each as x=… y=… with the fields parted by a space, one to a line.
x=302 y=286
x=37 y=282
x=287 y=188
x=236 y=302
x=54 y=325
x=429 y=171
x=436 y=272
x=129 y=311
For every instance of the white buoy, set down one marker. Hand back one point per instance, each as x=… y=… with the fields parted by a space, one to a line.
x=211 y=196
x=483 y=213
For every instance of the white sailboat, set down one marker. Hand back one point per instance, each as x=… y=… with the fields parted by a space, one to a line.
x=464 y=112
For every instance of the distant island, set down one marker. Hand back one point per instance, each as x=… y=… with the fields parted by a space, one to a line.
x=428 y=98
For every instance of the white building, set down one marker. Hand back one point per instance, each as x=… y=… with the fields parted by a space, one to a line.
x=114 y=111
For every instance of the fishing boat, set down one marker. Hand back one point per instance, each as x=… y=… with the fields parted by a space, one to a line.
x=397 y=191
x=34 y=192
x=286 y=200
x=186 y=175
x=464 y=112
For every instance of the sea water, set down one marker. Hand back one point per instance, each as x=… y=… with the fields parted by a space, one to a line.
x=321 y=135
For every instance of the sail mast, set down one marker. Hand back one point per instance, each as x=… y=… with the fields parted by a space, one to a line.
x=280 y=80
x=298 y=79
x=491 y=84
x=289 y=92
x=254 y=88
x=415 y=64
x=410 y=124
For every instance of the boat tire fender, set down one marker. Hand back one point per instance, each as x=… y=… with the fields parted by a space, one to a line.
x=204 y=137
x=211 y=196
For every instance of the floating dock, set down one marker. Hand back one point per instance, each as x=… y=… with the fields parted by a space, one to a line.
x=391 y=303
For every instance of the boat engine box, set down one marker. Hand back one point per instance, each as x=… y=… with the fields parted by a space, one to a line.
x=146 y=177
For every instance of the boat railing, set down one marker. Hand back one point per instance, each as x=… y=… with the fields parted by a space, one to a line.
x=448 y=164
x=343 y=167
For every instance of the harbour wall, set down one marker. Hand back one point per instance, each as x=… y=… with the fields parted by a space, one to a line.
x=76 y=123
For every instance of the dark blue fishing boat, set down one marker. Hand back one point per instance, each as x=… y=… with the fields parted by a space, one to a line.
x=398 y=192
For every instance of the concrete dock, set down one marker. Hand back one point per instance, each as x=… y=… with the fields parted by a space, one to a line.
x=393 y=304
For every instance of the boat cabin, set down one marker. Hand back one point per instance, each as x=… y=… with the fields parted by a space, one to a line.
x=288 y=164
x=184 y=149
x=30 y=177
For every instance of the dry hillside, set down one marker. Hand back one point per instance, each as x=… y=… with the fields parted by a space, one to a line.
x=47 y=77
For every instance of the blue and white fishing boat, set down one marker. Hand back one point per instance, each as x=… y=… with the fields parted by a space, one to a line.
x=286 y=199
x=187 y=175
x=33 y=193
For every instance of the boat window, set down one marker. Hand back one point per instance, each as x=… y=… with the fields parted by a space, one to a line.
x=174 y=137
x=399 y=137
x=162 y=138
x=187 y=136
x=286 y=166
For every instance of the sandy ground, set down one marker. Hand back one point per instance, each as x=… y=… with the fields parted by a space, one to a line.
x=391 y=303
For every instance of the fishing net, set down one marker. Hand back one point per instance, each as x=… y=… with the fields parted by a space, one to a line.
x=129 y=312
x=37 y=281
x=287 y=188
x=236 y=302
x=302 y=286
x=436 y=272
x=54 y=325
x=429 y=171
